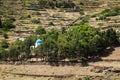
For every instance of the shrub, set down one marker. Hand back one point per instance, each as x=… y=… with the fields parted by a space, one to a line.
x=25 y=16
x=5 y=35
x=4 y=44
x=36 y=13
x=111 y=12
x=81 y=3
x=28 y=16
x=82 y=12
x=51 y=23
x=40 y=30
x=117 y=9
x=95 y=3
x=35 y=21
x=12 y=19
x=3 y=54
x=94 y=15
x=105 y=11
x=1 y=3
x=87 y=78
x=85 y=19
x=63 y=30
x=1 y=13
x=8 y=25
x=13 y=53
x=102 y=18
x=100 y=24
x=10 y=12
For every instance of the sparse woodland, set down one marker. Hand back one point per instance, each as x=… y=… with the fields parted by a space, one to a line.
x=77 y=31
x=78 y=42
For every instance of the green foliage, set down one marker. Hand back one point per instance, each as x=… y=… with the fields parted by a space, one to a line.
x=40 y=30
x=100 y=24
x=5 y=35
x=3 y=54
x=51 y=23
x=85 y=19
x=105 y=11
x=42 y=2
x=4 y=44
x=36 y=13
x=111 y=37
x=81 y=12
x=79 y=42
x=48 y=50
x=29 y=41
x=63 y=30
x=10 y=12
x=94 y=15
x=1 y=3
x=81 y=3
x=17 y=48
x=25 y=16
x=65 y=4
x=1 y=13
x=8 y=25
x=102 y=18
x=35 y=21
x=14 y=53
x=111 y=12
x=87 y=78
x=11 y=19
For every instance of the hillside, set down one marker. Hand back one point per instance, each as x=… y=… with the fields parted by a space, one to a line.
x=57 y=19
x=25 y=15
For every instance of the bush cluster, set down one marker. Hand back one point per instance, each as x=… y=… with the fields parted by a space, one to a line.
x=6 y=25
x=79 y=42
x=111 y=12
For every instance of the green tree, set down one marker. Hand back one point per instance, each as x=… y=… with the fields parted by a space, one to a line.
x=29 y=41
x=14 y=53
x=63 y=47
x=48 y=49
x=3 y=54
x=111 y=37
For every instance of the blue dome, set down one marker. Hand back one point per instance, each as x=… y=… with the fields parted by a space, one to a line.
x=39 y=41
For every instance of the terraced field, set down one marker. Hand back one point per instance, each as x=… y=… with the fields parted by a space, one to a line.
x=25 y=15
x=106 y=68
